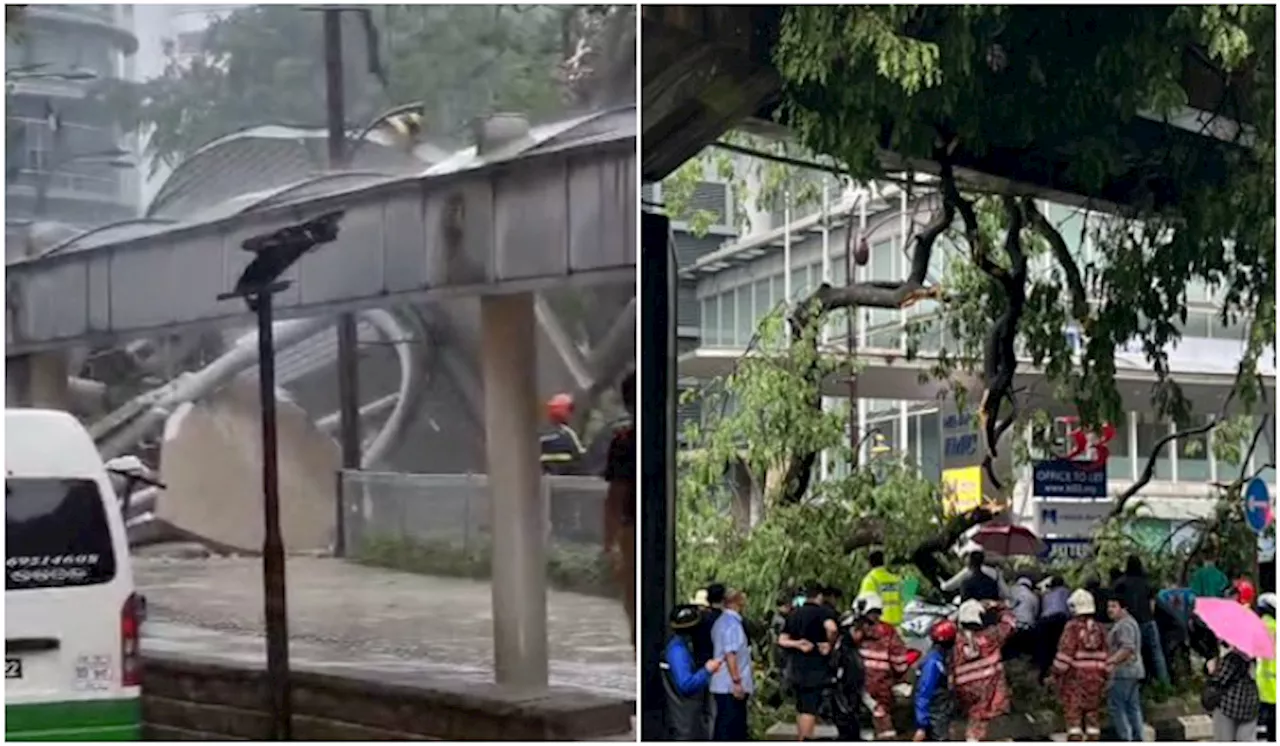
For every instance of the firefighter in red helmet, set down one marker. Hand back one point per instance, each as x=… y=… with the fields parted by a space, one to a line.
x=561 y=448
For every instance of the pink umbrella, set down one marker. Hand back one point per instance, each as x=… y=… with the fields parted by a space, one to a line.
x=1008 y=541
x=1237 y=626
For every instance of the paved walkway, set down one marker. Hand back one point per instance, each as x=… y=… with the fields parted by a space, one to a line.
x=346 y=615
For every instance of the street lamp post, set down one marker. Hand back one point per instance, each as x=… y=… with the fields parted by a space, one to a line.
x=258 y=285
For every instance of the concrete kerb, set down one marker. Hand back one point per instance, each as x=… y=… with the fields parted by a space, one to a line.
x=1170 y=721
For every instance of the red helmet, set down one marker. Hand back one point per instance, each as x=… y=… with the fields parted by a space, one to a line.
x=1245 y=592
x=560 y=408
x=944 y=631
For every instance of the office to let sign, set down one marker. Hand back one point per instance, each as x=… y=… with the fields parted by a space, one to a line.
x=1063 y=478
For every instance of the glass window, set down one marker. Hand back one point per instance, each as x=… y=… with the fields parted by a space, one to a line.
x=1229 y=469
x=1120 y=465
x=707 y=321
x=1193 y=456
x=56 y=534
x=763 y=303
x=1235 y=330
x=743 y=326
x=930 y=446
x=881 y=264
x=837 y=271
x=884 y=328
x=1150 y=431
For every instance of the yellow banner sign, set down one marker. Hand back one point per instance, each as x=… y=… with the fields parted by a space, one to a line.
x=962 y=489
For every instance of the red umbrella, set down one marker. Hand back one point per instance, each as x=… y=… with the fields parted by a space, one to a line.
x=1008 y=541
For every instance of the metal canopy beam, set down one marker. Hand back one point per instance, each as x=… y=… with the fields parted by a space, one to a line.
x=550 y=219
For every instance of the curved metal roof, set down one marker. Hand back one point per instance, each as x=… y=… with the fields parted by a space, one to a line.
x=277 y=167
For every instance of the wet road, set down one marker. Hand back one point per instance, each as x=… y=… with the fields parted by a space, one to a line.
x=343 y=615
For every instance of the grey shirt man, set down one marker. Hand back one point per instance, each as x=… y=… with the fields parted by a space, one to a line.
x=1125 y=635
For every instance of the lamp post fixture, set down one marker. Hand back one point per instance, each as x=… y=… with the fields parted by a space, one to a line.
x=258 y=285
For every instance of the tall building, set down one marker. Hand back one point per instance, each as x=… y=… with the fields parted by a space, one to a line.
x=729 y=282
x=67 y=161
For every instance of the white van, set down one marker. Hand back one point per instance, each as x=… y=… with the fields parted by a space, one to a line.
x=71 y=659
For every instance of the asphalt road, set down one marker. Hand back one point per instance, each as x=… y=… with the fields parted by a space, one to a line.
x=343 y=615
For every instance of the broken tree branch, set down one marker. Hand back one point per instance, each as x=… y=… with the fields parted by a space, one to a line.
x=1149 y=471
x=1075 y=279
x=878 y=294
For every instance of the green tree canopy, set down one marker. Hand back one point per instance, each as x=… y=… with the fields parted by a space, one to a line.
x=923 y=81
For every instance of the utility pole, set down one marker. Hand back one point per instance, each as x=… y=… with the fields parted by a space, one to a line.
x=348 y=342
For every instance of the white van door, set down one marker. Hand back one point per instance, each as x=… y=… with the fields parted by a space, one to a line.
x=71 y=622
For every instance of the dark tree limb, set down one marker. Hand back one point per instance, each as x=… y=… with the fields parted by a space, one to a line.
x=806 y=317
x=1149 y=470
x=1000 y=360
x=1074 y=278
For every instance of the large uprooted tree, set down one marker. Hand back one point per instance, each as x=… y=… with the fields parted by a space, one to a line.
x=929 y=83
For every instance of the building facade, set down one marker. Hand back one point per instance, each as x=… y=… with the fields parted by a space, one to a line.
x=67 y=159
x=730 y=282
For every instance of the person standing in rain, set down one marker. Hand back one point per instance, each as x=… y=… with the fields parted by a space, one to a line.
x=1139 y=598
x=1124 y=700
x=982 y=690
x=932 y=697
x=562 y=450
x=620 y=505
x=733 y=685
x=978 y=581
x=886 y=584
x=1266 y=675
x=684 y=683
x=1080 y=670
x=808 y=635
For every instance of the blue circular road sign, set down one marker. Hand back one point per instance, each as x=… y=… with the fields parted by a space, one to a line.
x=1257 y=505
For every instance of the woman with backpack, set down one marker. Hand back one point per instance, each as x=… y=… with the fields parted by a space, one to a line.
x=1232 y=696
x=1079 y=673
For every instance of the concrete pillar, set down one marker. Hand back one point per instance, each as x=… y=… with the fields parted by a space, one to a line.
x=508 y=357
x=40 y=380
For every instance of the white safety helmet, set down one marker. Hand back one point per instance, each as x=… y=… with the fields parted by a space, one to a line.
x=1081 y=603
x=867 y=603
x=1267 y=603
x=970 y=613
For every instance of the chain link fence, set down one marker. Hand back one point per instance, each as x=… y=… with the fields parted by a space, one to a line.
x=453 y=509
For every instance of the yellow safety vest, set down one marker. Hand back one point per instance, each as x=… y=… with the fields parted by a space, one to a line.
x=889 y=587
x=1267 y=669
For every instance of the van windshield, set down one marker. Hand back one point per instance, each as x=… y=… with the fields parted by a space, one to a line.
x=56 y=534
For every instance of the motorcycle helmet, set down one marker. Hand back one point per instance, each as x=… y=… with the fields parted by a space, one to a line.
x=868 y=603
x=1267 y=604
x=685 y=616
x=970 y=614
x=1082 y=603
x=943 y=632
x=1245 y=593
x=560 y=408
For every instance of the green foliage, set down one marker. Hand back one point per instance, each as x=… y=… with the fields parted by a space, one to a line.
x=860 y=78
x=265 y=65
x=580 y=569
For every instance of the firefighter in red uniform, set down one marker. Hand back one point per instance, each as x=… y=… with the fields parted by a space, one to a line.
x=1080 y=669
x=884 y=656
x=981 y=689
x=562 y=450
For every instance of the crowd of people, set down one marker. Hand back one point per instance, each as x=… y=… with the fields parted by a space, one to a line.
x=1095 y=648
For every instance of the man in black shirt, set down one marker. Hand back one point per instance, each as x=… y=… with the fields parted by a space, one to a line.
x=808 y=634
x=620 y=504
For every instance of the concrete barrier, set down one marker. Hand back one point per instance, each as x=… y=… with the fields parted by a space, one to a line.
x=195 y=699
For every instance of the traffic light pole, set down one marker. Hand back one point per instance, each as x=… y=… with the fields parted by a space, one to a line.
x=275 y=608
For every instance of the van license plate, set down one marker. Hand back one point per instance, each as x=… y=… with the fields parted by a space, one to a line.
x=13 y=668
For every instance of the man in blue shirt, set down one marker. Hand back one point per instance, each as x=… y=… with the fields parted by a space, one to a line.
x=684 y=682
x=732 y=685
